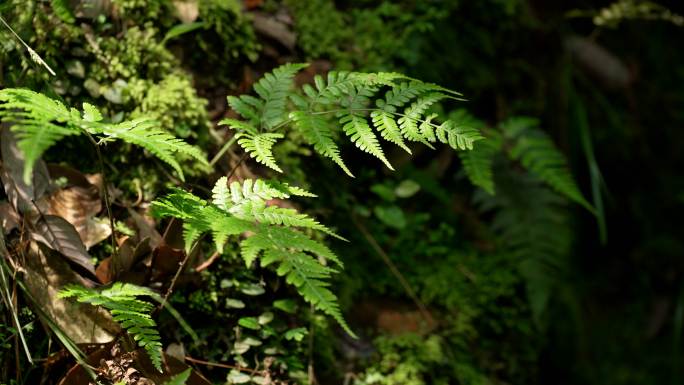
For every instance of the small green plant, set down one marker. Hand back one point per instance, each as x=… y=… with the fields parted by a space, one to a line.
x=133 y=314
x=40 y=122
x=241 y=208
x=346 y=102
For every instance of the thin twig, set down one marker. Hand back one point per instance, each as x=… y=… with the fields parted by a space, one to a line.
x=223 y=150
x=106 y=192
x=208 y=262
x=395 y=271
x=225 y=366
x=33 y=54
x=311 y=372
x=175 y=276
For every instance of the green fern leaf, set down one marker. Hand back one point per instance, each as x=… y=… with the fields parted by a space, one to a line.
x=260 y=147
x=38 y=122
x=239 y=126
x=247 y=106
x=273 y=88
x=121 y=299
x=408 y=123
x=360 y=133
x=478 y=163
x=240 y=208
x=144 y=132
x=456 y=136
x=317 y=133
x=387 y=127
x=538 y=154
x=404 y=92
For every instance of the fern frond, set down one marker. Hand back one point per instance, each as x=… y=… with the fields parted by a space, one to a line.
x=239 y=126
x=317 y=133
x=271 y=233
x=360 y=133
x=260 y=147
x=133 y=314
x=349 y=96
x=258 y=211
x=478 y=163
x=403 y=93
x=537 y=153
x=145 y=132
x=532 y=223
x=408 y=123
x=225 y=196
x=247 y=106
x=387 y=127
x=273 y=88
x=38 y=122
x=456 y=136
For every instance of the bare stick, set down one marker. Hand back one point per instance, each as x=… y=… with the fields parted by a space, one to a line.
x=225 y=366
x=395 y=271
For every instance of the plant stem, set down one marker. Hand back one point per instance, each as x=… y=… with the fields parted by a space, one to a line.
x=395 y=271
x=223 y=150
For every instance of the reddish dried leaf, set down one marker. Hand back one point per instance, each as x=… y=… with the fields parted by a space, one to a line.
x=59 y=235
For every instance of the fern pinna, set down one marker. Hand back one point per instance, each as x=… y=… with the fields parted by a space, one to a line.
x=271 y=234
x=133 y=314
x=360 y=105
x=39 y=122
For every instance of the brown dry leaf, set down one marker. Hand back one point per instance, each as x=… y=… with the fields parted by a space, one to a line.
x=130 y=253
x=167 y=259
x=61 y=236
x=79 y=203
x=251 y=4
x=146 y=228
x=46 y=274
x=140 y=364
x=186 y=11
x=275 y=29
x=10 y=218
x=20 y=194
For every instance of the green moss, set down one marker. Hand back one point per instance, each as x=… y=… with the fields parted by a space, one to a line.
x=137 y=11
x=361 y=36
x=137 y=54
x=173 y=102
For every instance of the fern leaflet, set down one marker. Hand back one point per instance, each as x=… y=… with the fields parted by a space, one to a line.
x=538 y=154
x=241 y=208
x=133 y=314
x=273 y=89
x=40 y=122
x=364 y=104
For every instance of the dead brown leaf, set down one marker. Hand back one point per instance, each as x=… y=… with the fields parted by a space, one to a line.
x=132 y=366
x=10 y=218
x=20 y=194
x=46 y=274
x=129 y=254
x=186 y=11
x=61 y=236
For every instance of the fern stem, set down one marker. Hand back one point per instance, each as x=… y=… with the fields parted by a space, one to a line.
x=395 y=271
x=225 y=366
x=105 y=192
x=169 y=291
x=351 y=110
x=223 y=150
